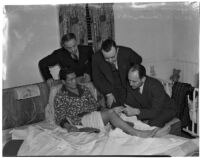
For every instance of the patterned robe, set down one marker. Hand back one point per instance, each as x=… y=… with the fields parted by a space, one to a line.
x=73 y=106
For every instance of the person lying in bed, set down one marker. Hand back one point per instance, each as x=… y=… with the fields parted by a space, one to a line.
x=75 y=105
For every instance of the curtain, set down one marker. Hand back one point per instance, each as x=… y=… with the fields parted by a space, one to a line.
x=72 y=18
x=102 y=23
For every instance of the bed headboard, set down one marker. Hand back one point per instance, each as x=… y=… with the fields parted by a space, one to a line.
x=19 y=111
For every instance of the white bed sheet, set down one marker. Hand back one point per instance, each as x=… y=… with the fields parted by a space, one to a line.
x=45 y=139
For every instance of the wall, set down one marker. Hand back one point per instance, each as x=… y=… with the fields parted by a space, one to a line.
x=186 y=43
x=148 y=31
x=163 y=34
x=32 y=33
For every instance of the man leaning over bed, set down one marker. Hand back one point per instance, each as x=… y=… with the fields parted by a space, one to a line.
x=147 y=99
x=110 y=66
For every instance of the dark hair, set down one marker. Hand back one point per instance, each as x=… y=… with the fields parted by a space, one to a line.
x=107 y=45
x=64 y=72
x=67 y=37
x=140 y=68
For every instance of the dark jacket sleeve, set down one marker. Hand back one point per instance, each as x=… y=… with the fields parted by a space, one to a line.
x=89 y=64
x=158 y=102
x=45 y=63
x=99 y=79
x=134 y=57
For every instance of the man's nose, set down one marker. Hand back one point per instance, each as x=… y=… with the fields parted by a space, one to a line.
x=110 y=60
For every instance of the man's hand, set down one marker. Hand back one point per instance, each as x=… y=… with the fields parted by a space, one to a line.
x=110 y=100
x=86 y=78
x=50 y=82
x=130 y=111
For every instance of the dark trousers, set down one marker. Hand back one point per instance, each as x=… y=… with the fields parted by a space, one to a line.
x=163 y=118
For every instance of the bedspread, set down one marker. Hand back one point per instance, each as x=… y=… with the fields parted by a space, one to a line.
x=44 y=139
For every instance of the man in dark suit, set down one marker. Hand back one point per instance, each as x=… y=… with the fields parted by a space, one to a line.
x=110 y=66
x=147 y=99
x=71 y=55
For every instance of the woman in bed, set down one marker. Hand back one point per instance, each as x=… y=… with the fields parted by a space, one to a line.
x=75 y=105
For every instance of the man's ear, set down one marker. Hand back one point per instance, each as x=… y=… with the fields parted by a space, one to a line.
x=143 y=79
x=63 y=82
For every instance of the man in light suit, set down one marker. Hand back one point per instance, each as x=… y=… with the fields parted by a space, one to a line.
x=147 y=99
x=110 y=66
x=70 y=55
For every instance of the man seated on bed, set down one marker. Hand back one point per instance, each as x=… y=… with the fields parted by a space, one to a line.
x=147 y=99
x=75 y=105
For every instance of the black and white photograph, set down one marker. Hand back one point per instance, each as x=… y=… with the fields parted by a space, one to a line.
x=100 y=78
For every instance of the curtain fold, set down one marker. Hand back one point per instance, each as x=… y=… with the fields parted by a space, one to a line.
x=72 y=18
x=102 y=23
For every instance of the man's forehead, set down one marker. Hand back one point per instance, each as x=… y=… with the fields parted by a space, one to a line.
x=133 y=74
x=109 y=54
x=70 y=43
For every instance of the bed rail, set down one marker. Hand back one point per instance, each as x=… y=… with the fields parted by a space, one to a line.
x=194 y=114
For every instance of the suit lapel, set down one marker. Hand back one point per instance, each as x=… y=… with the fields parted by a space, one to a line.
x=121 y=67
x=106 y=69
x=142 y=98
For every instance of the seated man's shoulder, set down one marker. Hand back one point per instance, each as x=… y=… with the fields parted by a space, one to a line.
x=124 y=48
x=154 y=81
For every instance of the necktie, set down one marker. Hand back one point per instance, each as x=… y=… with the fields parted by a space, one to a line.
x=113 y=66
x=75 y=57
x=137 y=90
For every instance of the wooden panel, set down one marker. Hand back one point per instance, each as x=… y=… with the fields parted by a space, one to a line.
x=22 y=112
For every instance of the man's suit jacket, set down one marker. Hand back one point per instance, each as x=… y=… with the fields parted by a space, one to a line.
x=63 y=58
x=102 y=71
x=152 y=101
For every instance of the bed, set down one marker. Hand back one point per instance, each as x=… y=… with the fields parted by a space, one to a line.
x=47 y=139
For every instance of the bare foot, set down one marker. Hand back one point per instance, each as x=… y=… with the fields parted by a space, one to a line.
x=163 y=131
